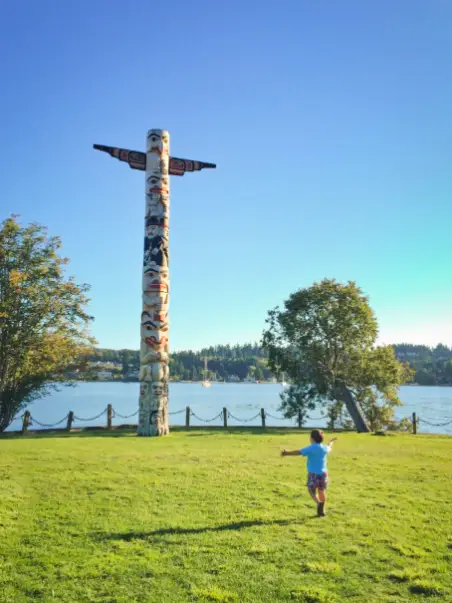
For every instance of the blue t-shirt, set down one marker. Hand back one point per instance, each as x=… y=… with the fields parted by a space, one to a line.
x=316 y=454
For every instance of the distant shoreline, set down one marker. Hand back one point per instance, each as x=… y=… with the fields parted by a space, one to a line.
x=232 y=382
x=179 y=381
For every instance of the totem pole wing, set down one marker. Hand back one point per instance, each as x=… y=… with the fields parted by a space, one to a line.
x=135 y=159
x=178 y=167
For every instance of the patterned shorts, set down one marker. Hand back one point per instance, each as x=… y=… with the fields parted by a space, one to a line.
x=316 y=481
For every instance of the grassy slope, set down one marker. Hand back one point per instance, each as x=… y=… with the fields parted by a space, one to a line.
x=206 y=516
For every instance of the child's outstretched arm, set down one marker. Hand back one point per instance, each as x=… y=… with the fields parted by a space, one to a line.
x=290 y=453
x=330 y=444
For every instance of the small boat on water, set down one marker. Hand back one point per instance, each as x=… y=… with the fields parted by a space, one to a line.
x=284 y=385
x=206 y=382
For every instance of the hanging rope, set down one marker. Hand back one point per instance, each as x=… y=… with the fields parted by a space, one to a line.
x=35 y=422
x=267 y=414
x=434 y=424
x=116 y=414
x=231 y=416
x=91 y=418
x=206 y=420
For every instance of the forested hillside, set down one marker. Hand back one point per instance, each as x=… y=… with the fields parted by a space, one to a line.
x=225 y=362
x=433 y=365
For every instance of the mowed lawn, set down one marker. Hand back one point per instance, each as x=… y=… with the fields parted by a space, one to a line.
x=218 y=516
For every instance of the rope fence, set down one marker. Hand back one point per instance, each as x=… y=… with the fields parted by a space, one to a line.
x=215 y=418
x=91 y=418
x=268 y=415
x=231 y=416
x=29 y=420
x=34 y=421
x=116 y=414
x=449 y=422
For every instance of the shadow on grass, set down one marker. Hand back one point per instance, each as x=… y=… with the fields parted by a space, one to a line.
x=118 y=432
x=239 y=525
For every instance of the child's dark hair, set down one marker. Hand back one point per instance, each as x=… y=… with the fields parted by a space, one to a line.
x=317 y=436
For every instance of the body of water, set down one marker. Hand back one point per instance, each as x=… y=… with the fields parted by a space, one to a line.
x=244 y=401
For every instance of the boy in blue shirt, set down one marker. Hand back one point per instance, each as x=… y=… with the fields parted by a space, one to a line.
x=316 y=454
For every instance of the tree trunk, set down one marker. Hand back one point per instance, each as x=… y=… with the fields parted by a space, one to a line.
x=345 y=395
x=7 y=411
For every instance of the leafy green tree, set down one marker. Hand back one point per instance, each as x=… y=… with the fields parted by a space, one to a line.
x=334 y=412
x=324 y=341
x=297 y=401
x=448 y=370
x=259 y=374
x=125 y=359
x=425 y=376
x=43 y=322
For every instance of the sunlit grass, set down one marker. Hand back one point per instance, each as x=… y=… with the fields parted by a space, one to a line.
x=214 y=516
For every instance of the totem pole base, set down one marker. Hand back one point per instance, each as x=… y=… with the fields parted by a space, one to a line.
x=153 y=409
x=154 y=432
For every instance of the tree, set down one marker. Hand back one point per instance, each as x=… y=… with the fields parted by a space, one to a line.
x=324 y=341
x=296 y=401
x=334 y=413
x=43 y=323
x=259 y=374
x=125 y=359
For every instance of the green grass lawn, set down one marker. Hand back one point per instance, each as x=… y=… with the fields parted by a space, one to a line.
x=218 y=516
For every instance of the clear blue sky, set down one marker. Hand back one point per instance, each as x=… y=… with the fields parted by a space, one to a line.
x=330 y=122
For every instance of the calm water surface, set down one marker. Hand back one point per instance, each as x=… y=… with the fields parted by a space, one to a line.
x=244 y=401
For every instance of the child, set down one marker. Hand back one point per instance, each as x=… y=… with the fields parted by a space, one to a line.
x=317 y=469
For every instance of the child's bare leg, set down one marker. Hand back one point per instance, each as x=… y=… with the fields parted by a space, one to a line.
x=312 y=492
x=321 y=505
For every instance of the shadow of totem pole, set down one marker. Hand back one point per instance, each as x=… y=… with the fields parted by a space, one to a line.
x=154 y=348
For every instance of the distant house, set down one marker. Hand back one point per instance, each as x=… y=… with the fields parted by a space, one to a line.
x=104 y=374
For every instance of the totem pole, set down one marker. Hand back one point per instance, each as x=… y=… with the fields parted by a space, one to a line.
x=154 y=350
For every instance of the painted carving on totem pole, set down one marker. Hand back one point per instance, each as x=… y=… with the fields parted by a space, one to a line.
x=154 y=351
x=137 y=160
x=154 y=334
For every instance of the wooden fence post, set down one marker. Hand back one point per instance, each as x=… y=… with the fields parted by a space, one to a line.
x=414 y=423
x=26 y=422
x=70 y=419
x=225 y=417
x=187 y=417
x=263 y=417
x=109 y=416
x=300 y=419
